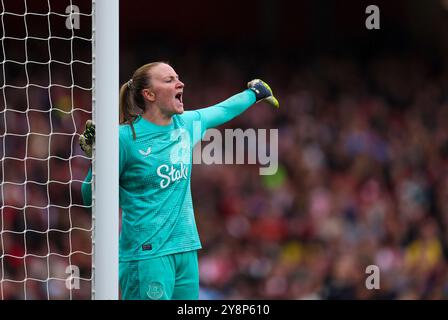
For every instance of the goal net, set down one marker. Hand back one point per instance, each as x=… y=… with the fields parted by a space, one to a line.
x=46 y=97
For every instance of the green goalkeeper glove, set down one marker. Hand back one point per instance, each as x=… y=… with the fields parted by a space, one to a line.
x=263 y=92
x=87 y=138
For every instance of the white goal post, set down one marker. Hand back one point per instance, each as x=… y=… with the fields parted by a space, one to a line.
x=105 y=108
x=58 y=67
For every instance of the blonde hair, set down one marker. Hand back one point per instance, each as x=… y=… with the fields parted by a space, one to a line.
x=131 y=94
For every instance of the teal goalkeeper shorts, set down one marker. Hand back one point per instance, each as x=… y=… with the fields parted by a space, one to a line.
x=170 y=277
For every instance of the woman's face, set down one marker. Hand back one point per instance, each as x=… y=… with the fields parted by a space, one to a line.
x=166 y=90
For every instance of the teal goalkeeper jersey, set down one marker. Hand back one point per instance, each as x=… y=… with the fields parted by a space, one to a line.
x=155 y=171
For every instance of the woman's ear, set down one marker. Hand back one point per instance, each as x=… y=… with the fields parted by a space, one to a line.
x=149 y=95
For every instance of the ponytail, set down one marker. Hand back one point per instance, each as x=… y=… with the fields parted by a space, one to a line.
x=131 y=95
x=127 y=113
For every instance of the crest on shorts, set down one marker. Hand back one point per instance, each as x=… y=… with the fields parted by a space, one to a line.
x=155 y=290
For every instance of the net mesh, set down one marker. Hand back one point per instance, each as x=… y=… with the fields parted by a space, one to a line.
x=45 y=99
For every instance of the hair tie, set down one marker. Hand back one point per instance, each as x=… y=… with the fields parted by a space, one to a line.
x=130 y=84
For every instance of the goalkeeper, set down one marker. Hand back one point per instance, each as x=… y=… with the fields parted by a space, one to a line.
x=159 y=239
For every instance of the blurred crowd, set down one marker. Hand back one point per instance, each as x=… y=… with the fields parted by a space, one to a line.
x=46 y=89
x=44 y=226
x=362 y=180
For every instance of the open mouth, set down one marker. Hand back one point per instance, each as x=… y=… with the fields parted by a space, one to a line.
x=178 y=97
